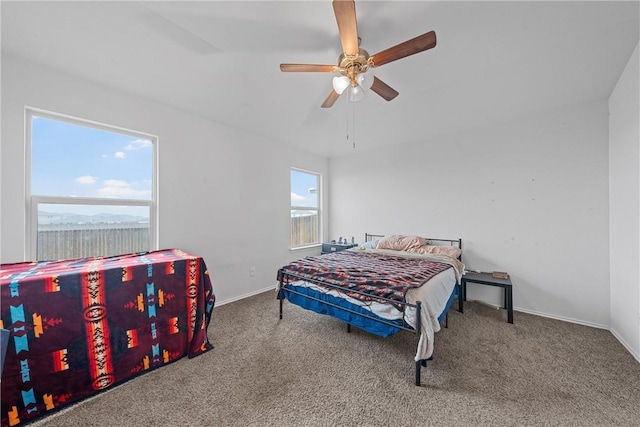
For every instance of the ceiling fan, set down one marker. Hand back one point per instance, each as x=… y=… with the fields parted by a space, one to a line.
x=355 y=62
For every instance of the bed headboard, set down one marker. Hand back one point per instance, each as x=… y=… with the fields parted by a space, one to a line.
x=438 y=242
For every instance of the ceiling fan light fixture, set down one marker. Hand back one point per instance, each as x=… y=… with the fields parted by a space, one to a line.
x=365 y=80
x=340 y=84
x=356 y=93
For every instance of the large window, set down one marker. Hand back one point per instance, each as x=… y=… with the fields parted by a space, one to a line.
x=91 y=188
x=305 y=208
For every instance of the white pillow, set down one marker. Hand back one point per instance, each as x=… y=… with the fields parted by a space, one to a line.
x=371 y=244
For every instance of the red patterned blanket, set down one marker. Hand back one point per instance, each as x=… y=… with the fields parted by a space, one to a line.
x=81 y=326
x=373 y=274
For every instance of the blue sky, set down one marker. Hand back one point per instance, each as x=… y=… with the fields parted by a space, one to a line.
x=78 y=161
x=304 y=189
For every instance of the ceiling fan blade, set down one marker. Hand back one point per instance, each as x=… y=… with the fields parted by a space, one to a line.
x=410 y=47
x=383 y=89
x=312 y=68
x=345 y=11
x=331 y=99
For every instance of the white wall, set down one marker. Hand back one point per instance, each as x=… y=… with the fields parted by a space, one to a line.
x=624 y=195
x=224 y=194
x=528 y=196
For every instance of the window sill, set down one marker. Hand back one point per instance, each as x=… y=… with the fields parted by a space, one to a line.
x=301 y=248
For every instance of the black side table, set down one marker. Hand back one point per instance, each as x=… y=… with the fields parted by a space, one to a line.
x=488 y=279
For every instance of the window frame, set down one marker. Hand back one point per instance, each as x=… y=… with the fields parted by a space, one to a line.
x=318 y=209
x=33 y=201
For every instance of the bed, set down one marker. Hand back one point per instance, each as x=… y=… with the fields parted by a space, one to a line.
x=386 y=285
x=78 y=327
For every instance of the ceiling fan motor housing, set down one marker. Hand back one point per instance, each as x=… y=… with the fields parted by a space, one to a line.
x=351 y=66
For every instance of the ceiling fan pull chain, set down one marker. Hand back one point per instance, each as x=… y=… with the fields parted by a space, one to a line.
x=347 y=122
x=353 y=123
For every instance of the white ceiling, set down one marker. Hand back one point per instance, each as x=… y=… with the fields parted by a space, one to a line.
x=220 y=59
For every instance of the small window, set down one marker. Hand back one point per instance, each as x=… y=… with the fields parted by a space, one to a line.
x=305 y=208
x=92 y=188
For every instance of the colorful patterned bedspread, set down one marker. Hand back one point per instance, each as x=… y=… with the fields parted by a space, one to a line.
x=374 y=274
x=81 y=326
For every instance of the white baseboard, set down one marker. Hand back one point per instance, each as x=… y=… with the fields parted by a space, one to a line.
x=624 y=343
x=250 y=294
x=564 y=319
x=593 y=325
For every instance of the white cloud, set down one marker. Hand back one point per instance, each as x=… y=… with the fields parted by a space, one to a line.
x=120 y=155
x=115 y=188
x=296 y=197
x=104 y=156
x=86 y=179
x=138 y=144
x=116 y=183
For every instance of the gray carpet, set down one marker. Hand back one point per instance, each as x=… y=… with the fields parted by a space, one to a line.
x=307 y=370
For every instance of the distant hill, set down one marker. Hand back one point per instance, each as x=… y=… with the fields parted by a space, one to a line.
x=102 y=218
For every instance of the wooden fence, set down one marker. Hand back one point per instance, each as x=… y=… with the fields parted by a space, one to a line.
x=304 y=230
x=68 y=241
x=82 y=240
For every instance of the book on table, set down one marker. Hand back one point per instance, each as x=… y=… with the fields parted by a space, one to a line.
x=500 y=275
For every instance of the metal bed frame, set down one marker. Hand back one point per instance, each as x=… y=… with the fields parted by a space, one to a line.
x=404 y=326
